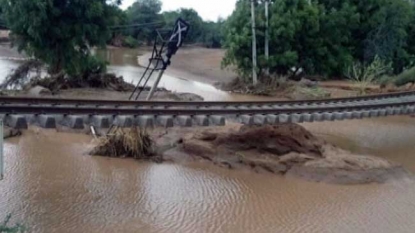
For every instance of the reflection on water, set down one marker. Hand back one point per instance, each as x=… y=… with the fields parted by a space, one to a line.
x=52 y=186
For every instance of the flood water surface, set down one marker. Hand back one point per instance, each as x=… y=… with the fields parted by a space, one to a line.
x=51 y=185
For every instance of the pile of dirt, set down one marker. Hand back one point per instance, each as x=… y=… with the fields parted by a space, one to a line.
x=286 y=149
x=279 y=140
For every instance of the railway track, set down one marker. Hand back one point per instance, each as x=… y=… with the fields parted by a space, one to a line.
x=18 y=112
x=5 y=100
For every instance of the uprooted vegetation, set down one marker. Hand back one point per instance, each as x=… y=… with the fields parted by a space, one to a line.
x=19 y=77
x=277 y=87
x=100 y=80
x=29 y=74
x=127 y=143
x=266 y=87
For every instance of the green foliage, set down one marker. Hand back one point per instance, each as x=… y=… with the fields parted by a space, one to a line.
x=212 y=34
x=61 y=33
x=238 y=41
x=3 y=24
x=323 y=37
x=145 y=14
x=191 y=16
x=145 y=17
x=405 y=77
x=130 y=42
x=365 y=75
x=5 y=228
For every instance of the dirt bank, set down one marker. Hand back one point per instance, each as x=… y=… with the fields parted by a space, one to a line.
x=286 y=149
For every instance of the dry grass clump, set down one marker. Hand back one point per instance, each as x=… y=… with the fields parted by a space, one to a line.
x=127 y=143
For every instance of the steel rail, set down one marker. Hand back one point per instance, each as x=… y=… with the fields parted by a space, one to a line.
x=5 y=100
x=68 y=110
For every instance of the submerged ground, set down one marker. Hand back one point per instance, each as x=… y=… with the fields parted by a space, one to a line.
x=52 y=185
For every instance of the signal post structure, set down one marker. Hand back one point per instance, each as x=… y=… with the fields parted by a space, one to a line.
x=163 y=51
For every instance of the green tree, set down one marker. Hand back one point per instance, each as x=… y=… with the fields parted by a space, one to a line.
x=213 y=34
x=61 y=33
x=144 y=17
x=323 y=37
x=2 y=21
x=238 y=40
x=381 y=31
x=197 y=24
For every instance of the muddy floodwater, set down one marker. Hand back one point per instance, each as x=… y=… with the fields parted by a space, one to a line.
x=124 y=63
x=51 y=185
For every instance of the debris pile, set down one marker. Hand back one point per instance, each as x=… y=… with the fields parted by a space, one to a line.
x=127 y=143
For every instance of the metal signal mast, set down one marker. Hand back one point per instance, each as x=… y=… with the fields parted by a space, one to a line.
x=163 y=51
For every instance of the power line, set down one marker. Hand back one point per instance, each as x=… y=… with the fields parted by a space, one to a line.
x=137 y=25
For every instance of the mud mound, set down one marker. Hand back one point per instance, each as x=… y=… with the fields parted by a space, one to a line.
x=279 y=140
x=287 y=149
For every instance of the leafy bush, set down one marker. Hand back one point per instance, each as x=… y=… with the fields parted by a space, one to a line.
x=365 y=75
x=130 y=42
x=405 y=77
x=322 y=37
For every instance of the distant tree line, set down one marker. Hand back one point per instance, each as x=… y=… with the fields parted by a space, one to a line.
x=323 y=37
x=139 y=22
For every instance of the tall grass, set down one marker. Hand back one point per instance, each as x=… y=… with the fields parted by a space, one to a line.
x=364 y=75
x=408 y=76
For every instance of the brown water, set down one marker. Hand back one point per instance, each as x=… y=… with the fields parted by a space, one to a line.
x=52 y=186
x=124 y=63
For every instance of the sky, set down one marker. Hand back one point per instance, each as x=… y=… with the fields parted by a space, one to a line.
x=207 y=9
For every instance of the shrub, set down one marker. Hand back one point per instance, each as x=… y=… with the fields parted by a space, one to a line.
x=363 y=75
x=130 y=42
x=405 y=77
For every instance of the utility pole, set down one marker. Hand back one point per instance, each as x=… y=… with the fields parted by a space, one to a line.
x=267 y=35
x=254 y=52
